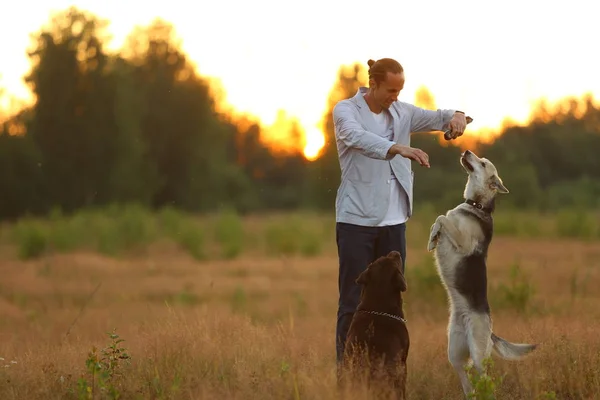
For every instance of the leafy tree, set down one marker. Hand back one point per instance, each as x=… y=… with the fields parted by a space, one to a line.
x=73 y=124
x=143 y=126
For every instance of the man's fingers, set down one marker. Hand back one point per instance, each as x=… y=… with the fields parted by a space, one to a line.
x=457 y=129
x=417 y=157
x=423 y=157
x=458 y=126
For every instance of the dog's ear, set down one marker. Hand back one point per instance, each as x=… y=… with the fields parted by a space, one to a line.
x=363 y=278
x=496 y=183
x=400 y=281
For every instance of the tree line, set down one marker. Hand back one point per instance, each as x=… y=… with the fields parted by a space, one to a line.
x=143 y=126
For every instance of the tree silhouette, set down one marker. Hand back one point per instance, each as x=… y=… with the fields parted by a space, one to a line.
x=72 y=124
x=143 y=126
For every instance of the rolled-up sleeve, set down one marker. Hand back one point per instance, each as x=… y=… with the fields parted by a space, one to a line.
x=429 y=120
x=351 y=133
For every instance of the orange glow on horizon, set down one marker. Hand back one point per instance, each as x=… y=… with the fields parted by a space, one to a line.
x=286 y=66
x=315 y=140
x=279 y=136
x=288 y=72
x=290 y=134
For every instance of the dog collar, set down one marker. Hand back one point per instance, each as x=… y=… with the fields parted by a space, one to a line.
x=478 y=205
x=396 y=317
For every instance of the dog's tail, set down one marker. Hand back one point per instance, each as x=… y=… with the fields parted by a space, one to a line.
x=511 y=351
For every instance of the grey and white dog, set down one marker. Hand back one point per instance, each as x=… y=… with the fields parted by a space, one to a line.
x=460 y=241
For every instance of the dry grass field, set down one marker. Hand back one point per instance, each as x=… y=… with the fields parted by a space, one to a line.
x=237 y=319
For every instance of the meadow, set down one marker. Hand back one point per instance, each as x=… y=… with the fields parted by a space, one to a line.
x=126 y=303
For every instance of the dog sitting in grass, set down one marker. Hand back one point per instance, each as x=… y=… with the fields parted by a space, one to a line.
x=378 y=341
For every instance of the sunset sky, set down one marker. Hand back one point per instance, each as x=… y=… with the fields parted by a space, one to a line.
x=492 y=60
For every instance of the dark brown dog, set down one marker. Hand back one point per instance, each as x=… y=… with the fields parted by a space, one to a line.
x=378 y=341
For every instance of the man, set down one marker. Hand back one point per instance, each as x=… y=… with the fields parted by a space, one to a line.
x=374 y=199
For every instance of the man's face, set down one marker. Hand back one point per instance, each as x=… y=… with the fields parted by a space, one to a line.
x=386 y=92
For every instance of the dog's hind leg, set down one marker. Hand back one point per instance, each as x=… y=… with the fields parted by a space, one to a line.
x=458 y=351
x=479 y=330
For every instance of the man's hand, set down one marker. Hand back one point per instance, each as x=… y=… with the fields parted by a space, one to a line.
x=410 y=152
x=457 y=124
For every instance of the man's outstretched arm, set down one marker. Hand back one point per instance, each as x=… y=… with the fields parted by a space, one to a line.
x=441 y=119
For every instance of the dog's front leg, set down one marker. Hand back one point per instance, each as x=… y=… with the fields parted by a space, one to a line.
x=434 y=233
x=457 y=239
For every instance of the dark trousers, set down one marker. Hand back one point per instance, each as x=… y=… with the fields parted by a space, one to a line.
x=358 y=246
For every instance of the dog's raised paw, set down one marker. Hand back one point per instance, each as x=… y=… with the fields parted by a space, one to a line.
x=433 y=236
x=432 y=244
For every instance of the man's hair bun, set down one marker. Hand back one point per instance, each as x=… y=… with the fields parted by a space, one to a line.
x=384 y=65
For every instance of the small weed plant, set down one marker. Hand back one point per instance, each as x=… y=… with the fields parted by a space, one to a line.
x=484 y=384
x=104 y=371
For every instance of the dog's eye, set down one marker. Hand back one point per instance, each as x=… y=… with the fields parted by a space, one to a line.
x=483 y=164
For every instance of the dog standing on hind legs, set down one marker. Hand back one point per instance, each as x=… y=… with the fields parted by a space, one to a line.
x=460 y=241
